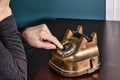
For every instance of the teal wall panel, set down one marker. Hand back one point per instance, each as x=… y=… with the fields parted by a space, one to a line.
x=28 y=12
x=81 y=9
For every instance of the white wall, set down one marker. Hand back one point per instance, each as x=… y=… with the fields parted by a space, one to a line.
x=113 y=10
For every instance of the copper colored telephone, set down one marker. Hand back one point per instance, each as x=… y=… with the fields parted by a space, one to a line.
x=79 y=56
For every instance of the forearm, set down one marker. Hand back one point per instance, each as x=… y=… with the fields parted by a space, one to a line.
x=11 y=69
x=12 y=52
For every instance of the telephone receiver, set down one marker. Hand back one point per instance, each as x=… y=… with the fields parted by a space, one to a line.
x=79 y=56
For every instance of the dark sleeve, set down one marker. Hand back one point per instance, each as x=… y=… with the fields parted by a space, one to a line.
x=28 y=49
x=13 y=64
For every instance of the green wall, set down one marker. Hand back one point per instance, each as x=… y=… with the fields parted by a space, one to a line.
x=28 y=12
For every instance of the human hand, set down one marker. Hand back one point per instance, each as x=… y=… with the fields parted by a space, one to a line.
x=40 y=37
x=5 y=10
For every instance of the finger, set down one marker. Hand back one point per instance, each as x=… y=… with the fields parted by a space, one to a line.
x=54 y=40
x=45 y=45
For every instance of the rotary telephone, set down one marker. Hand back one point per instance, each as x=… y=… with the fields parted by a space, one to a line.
x=79 y=56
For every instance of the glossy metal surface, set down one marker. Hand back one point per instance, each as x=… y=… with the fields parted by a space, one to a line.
x=108 y=39
x=78 y=57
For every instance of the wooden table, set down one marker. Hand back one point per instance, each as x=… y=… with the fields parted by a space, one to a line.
x=108 y=42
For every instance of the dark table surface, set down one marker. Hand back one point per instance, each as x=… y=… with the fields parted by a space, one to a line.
x=108 y=33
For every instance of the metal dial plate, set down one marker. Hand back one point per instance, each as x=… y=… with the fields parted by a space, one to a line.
x=69 y=48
